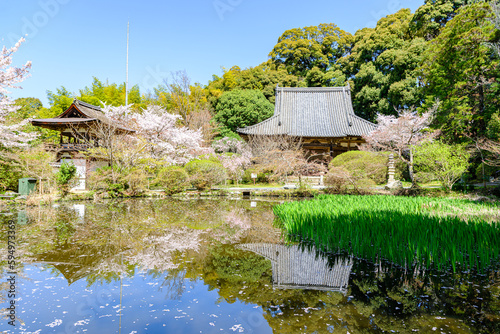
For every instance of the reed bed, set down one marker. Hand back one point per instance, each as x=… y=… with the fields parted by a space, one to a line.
x=409 y=231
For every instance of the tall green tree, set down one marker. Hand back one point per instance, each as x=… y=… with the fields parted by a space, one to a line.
x=495 y=19
x=28 y=107
x=100 y=93
x=460 y=70
x=240 y=108
x=65 y=177
x=59 y=102
x=264 y=77
x=300 y=50
x=383 y=67
x=333 y=77
x=433 y=15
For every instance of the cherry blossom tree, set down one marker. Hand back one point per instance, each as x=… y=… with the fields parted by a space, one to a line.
x=400 y=134
x=157 y=136
x=10 y=77
x=167 y=141
x=235 y=155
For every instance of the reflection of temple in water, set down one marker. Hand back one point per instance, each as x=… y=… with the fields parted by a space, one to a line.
x=75 y=263
x=295 y=268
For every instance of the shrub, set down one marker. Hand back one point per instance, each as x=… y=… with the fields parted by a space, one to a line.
x=8 y=177
x=341 y=181
x=118 y=181
x=65 y=177
x=100 y=179
x=496 y=191
x=173 y=179
x=134 y=180
x=423 y=177
x=446 y=162
x=364 y=165
x=464 y=187
x=205 y=173
x=210 y=157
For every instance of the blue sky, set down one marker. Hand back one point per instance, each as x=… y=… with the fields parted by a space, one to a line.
x=70 y=41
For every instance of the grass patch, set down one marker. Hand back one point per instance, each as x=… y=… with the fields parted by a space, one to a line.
x=409 y=231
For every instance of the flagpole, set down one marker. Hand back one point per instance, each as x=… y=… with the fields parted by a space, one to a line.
x=126 y=80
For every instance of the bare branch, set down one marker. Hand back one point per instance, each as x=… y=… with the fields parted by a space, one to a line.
x=493 y=147
x=283 y=155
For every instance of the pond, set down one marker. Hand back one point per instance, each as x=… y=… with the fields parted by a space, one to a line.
x=213 y=266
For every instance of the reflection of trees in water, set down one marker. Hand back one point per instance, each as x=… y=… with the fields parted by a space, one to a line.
x=166 y=240
x=379 y=298
x=173 y=285
x=457 y=302
x=119 y=235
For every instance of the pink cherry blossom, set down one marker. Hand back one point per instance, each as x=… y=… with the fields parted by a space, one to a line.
x=165 y=139
x=10 y=77
x=235 y=155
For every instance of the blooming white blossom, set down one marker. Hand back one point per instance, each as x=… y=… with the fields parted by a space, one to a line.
x=159 y=129
x=400 y=132
x=172 y=143
x=10 y=77
x=238 y=159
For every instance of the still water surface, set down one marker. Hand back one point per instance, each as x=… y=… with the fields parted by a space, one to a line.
x=215 y=266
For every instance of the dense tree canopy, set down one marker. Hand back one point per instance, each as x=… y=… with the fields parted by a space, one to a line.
x=100 y=93
x=59 y=102
x=302 y=49
x=264 y=77
x=240 y=108
x=431 y=17
x=447 y=51
x=384 y=65
x=460 y=70
x=28 y=107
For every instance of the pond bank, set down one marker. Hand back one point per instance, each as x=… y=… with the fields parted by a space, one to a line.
x=286 y=192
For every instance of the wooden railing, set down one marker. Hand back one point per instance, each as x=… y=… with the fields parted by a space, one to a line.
x=67 y=147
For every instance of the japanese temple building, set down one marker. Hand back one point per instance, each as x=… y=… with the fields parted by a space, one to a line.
x=77 y=132
x=322 y=117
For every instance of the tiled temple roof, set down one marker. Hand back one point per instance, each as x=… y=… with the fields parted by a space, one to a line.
x=312 y=112
x=85 y=113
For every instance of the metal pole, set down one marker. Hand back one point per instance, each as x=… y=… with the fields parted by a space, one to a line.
x=126 y=80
